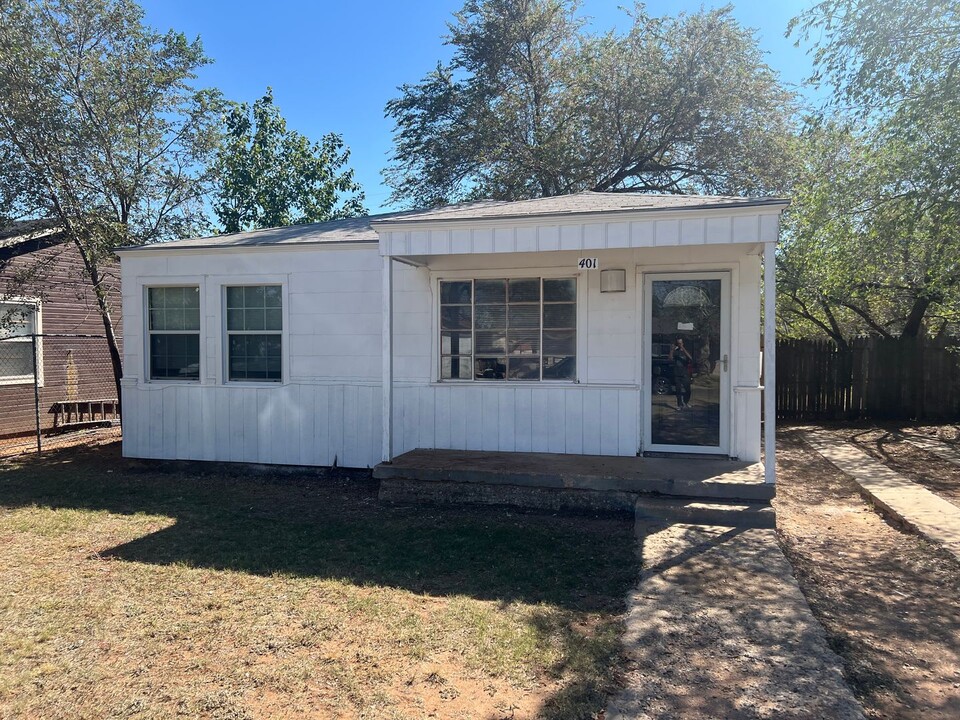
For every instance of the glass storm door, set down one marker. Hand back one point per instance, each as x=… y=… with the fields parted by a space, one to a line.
x=687 y=356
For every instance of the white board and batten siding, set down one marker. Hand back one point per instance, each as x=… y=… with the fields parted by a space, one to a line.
x=328 y=408
x=719 y=227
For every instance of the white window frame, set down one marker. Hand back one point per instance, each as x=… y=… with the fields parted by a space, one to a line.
x=473 y=276
x=282 y=333
x=35 y=304
x=148 y=333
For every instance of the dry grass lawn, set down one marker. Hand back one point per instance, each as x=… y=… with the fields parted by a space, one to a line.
x=141 y=590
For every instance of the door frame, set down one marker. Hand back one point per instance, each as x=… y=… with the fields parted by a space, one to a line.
x=645 y=365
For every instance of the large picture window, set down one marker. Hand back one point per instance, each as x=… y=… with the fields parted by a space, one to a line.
x=254 y=333
x=174 y=324
x=18 y=322
x=508 y=329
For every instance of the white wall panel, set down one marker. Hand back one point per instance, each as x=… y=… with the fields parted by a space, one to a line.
x=525 y=418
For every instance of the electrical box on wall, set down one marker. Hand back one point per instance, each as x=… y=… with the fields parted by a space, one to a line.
x=613 y=281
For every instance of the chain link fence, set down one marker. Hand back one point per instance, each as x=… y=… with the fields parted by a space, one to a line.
x=56 y=391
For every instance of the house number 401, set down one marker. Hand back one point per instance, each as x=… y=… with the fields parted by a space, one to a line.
x=588 y=264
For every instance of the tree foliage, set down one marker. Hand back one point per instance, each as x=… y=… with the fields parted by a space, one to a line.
x=873 y=236
x=269 y=176
x=102 y=127
x=532 y=104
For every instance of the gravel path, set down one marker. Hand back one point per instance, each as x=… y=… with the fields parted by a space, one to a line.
x=718 y=628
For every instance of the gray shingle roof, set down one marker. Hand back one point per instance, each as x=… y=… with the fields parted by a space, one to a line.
x=347 y=230
x=580 y=203
x=362 y=229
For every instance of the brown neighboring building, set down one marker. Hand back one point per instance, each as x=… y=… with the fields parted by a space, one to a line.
x=44 y=290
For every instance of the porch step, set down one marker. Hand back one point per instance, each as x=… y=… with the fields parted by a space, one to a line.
x=725 y=513
x=709 y=478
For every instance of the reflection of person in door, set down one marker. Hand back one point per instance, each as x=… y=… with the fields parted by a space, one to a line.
x=681 y=374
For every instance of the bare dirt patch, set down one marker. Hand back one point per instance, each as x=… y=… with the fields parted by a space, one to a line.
x=145 y=590
x=887 y=444
x=890 y=602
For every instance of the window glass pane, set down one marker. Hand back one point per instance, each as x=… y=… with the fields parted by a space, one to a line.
x=525 y=290
x=17 y=320
x=491 y=341
x=456 y=293
x=234 y=297
x=191 y=319
x=524 y=369
x=254 y=320
x=560 y=316
x=16 y=358
x=273 y=319
x=190 y=297
x=255 y=357
x=490 y=368
x=456 y=343
x=253 y=296
x=490 y=291
x=559 y=342
x=174 y=308
x=456 y=317
x=525 y=316
x=559 y=368
x=272 y=296
x=455 y=368
x=524 y=342
x=175 y=357
x=491 y=317
x=234 y=319
x=559 y=290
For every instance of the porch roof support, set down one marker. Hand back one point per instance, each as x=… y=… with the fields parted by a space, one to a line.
x=387 y=338
x=770 y=361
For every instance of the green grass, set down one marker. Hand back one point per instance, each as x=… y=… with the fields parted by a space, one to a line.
x=142 y=590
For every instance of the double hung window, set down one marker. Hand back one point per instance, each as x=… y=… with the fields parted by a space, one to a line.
x=18 y=322
x=174 y=330
x=508 y=329
x=254 y=333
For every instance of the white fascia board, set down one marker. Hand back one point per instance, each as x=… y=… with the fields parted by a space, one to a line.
x=770 y=208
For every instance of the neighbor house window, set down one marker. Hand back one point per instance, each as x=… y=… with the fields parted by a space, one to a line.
x=254 y=332
x=19 y=321
x=508 y=329
x=174 y=322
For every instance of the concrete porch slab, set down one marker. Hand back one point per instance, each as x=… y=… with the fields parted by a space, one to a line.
x=714 y=478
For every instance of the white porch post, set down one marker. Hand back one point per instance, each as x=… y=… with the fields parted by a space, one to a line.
x=387 y=337
x=770 y=362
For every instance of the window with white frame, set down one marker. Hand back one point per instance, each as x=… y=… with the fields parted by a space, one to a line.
x=174 y=332
x=508 y=329
x=254 y=333
x=19 y=321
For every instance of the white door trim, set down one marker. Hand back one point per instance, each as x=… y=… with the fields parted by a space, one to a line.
x=726 y=400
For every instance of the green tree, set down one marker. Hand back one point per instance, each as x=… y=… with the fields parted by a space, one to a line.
x=872 y=240
x=103 y=129
x=533 y=104
x=269 y=176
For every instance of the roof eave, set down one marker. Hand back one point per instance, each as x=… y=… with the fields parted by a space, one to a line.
x=394 y=224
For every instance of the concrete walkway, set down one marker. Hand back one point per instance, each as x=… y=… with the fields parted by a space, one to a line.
x=718 y=628
x=904 y=500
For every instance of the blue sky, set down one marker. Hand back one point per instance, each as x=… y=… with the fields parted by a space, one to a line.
x=334 y=65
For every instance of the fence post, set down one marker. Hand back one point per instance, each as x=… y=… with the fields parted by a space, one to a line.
x=36 y=392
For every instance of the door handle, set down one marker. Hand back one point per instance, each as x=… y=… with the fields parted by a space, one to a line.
x=726 y=362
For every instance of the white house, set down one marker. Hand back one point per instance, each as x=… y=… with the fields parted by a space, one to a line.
x=548 y=325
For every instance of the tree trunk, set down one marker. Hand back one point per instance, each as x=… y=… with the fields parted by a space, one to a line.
x=911 y=328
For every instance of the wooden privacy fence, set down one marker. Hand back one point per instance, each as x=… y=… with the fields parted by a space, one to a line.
x=875 y=378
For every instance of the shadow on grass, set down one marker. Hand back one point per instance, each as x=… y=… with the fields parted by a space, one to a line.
x=331 y=525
